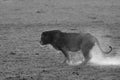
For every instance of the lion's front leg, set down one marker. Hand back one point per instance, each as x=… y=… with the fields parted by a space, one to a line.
x=67 y=58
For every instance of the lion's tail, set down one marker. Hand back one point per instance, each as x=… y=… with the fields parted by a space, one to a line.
x=102 y=49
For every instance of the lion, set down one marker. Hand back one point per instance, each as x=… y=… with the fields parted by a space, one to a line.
x=66 y=42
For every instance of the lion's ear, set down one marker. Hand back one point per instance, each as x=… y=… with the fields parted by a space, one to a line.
x=56 y=31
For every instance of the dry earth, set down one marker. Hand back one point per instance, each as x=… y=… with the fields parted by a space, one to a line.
x=22 y=21
x=22 y=57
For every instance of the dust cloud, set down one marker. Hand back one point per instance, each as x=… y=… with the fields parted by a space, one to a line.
x=97 y=58
x=100 y=58
x=75 y=59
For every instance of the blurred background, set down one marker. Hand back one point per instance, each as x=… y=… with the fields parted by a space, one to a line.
x=44 y=11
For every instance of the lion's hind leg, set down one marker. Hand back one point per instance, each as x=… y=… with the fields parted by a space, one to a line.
x=86 y=47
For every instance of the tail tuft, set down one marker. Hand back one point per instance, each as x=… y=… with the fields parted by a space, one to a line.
x=110 y=50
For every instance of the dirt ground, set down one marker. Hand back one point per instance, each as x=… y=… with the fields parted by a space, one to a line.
x=22 y=57
x=23 y=21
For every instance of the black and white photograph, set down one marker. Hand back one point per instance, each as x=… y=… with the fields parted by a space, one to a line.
x=59 y=39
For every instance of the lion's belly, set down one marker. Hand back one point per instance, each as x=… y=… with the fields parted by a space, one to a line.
x=74 y=47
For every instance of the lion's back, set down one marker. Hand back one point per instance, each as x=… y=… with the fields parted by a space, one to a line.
x=73 y=41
